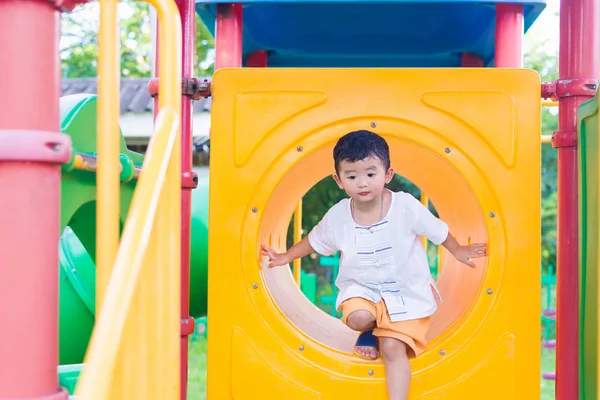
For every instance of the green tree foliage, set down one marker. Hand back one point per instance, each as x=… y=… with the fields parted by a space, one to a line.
x=204 y=44
x=136 y=46
x=79 y=42
x=542 y=58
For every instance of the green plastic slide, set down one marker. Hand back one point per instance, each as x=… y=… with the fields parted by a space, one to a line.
x=77 y=298
x=78 y=281
x=77 y=246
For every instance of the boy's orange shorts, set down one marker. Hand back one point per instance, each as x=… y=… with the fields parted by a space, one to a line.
x=412 y=332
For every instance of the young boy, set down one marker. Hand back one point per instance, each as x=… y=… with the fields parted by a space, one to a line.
x=385 y=288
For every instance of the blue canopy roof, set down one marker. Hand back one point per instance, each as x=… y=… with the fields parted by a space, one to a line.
x=369 y=34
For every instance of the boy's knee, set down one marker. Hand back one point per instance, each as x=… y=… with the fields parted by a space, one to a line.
x=393 y=349
x=360 y=320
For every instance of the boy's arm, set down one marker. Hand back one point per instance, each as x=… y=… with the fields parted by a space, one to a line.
x=299 y=250
x=427 y=225
x=464 y=254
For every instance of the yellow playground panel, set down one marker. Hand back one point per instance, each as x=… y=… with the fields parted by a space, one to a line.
x=469 y=138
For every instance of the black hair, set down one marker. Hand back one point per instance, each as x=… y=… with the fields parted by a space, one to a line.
x=358 y=145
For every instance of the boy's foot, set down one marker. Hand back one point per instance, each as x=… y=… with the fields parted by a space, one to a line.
x=367 y=346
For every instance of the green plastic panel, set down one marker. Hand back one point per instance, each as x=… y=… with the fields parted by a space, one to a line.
x=78 y=226
x=68 y=376
x=308 y=286
x=199 y=246
x=589 y=164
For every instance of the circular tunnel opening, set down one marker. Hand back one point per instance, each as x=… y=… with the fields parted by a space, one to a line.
x=419 y=168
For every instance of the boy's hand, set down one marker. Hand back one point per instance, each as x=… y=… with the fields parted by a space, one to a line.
x=464 y=254
x=275 y=259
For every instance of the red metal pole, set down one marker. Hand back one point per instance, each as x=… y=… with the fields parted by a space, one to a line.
x=228 y=36
x=509 y=36
x=188 y=181
x=257 y=59
x=578 y=59
x=31 y=151
x=470 y=60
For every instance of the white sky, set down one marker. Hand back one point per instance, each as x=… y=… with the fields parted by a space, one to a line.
x=546 y=27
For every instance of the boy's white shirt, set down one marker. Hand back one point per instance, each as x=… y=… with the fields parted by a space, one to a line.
x=385 y=260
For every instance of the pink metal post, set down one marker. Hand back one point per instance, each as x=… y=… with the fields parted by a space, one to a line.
x=257 y=59
x=578 y=62
x=509 y=36
x=229 y=53
x=470 y=60
x=189 y=181
x=228 y=36
x=31 y=151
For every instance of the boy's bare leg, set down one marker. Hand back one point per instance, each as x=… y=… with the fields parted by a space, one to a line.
x=397 y=368
x=362 y=320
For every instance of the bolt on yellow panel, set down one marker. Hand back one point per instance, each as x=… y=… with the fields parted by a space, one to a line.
x=469 y=138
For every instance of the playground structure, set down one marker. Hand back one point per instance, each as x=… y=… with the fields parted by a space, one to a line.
x=78 y=226
x=459 y=133
x=475 y=326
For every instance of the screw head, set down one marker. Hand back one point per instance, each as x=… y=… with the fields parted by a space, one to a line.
x=492 y=214
x=55 y=146
x=371 y=372
x=301 y=348
x=254 y=209
x=373 y=124
x=490 y=291
x=299 y=148
x=442 y=352
x=255 y=286
x=447 y=150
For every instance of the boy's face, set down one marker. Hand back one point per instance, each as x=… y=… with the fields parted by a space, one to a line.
x=363 y=180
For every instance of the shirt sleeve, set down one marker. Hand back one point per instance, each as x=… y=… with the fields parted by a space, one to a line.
x=424 y=223
x=322 y=237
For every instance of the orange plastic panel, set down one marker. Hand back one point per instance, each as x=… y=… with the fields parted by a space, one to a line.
x=468 y=137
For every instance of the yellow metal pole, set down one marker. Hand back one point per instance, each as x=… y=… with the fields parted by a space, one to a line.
x=107 y=178
x=109 y=369
x=169 y=62
x=546 y=138
x=440 y=259
x=549 y=103
x=297 y=266
x=425 y=202
x=111 y=329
